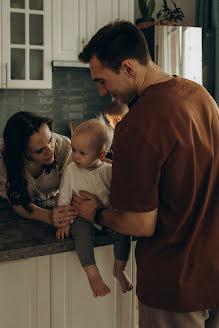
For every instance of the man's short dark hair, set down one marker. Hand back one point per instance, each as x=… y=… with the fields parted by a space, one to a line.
x=116 y=42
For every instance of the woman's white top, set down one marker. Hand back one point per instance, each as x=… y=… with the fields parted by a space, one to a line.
x=96 y=182
x=46 y=185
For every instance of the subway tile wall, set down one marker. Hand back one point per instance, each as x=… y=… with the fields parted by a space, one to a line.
x=73 y=97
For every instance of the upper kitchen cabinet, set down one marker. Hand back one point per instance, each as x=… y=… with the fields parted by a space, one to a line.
x=76 y=21
x=25 y=54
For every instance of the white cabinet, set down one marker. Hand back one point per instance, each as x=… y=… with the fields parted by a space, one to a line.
x=72 y=301
x=25 y=54
x=53 y=291
x=74 y=22
x=25 y=293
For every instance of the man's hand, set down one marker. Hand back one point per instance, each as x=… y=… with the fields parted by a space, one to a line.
x=87 y=205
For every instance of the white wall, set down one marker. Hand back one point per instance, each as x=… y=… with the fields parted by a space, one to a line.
x=188 y=8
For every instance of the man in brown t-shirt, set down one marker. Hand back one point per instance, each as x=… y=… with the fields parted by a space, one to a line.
x=165 y=180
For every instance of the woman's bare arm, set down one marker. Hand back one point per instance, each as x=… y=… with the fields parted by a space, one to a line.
x=58 y=217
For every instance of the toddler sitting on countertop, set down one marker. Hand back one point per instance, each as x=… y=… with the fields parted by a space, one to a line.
x=90 y=142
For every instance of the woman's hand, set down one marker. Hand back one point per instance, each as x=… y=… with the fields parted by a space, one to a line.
x=63 y=215
x=87 y=205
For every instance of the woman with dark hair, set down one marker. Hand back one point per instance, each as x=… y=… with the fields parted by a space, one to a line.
x=32 y=159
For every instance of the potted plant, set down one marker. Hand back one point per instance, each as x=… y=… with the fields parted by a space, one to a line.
x=167 y=14
x=146 y=8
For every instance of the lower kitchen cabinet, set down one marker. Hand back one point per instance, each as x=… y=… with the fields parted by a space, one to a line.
x=72 y=301
x=25 y=293
x=52 y=291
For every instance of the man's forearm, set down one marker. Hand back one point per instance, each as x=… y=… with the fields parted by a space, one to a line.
x=130 y=223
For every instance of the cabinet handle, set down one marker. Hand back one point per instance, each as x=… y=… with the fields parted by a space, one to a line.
x=6 y=71
x=83 y=41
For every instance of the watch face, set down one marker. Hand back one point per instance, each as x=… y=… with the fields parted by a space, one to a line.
x=98 y=216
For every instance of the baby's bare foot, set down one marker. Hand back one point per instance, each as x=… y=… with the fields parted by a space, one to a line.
x=121 y=275
x=97 y=284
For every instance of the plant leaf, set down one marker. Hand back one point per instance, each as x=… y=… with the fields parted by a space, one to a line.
x=167 y=13
x=174 y=3
x=151 y=6
x=143 y=8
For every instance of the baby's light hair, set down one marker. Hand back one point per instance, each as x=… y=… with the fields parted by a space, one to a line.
x=98 y=129
x=117 y=108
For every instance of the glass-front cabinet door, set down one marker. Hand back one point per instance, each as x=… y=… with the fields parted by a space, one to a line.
x=26 y=44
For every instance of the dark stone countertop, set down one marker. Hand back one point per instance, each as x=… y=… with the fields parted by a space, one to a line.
x=22 y=238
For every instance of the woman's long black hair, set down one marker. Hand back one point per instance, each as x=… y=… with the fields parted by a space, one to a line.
x=18 y=130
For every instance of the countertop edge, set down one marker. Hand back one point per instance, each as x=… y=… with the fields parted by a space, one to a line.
x=47 y=249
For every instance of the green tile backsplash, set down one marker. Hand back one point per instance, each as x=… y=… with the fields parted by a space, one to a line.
x=74 y=97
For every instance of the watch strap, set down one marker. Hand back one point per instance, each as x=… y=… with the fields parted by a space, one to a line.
x=98 y=215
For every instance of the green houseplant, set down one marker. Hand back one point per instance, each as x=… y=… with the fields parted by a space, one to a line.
x=146 y=8
x=146 y=23
x=167 y=14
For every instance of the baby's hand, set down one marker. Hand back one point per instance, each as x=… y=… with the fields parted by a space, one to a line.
x=62 y=232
